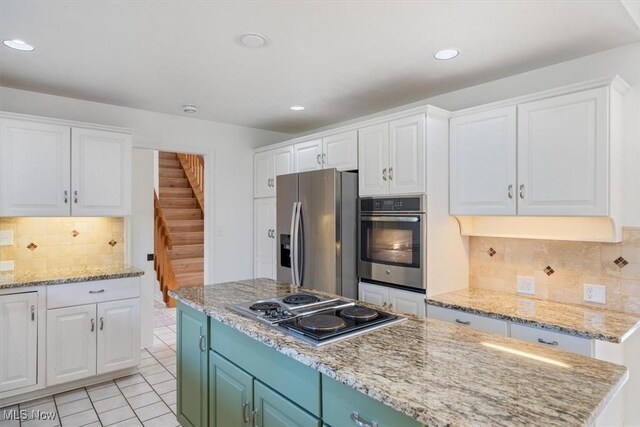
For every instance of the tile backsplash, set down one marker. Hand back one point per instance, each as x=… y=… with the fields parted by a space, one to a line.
x=561 y=268
x=45 y=243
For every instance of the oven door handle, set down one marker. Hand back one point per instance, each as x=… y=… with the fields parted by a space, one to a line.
x=390 y=218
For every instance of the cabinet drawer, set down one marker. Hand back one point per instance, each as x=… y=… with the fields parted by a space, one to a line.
x=340 y=403
x=557 y=340
x=92 y=292
x=295 y=381
x=474 y=321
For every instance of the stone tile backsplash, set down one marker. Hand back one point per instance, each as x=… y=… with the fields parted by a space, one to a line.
x=46 y=243
x=561 y=268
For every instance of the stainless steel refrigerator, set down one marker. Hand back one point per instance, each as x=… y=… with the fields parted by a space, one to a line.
x=316 y=230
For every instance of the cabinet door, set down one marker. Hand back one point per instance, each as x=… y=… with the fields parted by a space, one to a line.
x=230 y=393
x=373 y=160
x=273 y=410
x=192 y=367
x=563 y=155
x=100 y=173
x=407 y=155
x=71 y=343
x=34 y=169
x=19 y=338
x=264 y=229
x=482 y=174
x=283 y=164
x=118 y=335
x=407 y=302
x=308 y=155
x=263 y=182
x=340 y=151
x=373 y=294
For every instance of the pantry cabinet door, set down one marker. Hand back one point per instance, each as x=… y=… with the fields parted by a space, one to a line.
x=283 y=164
x=407 y=161
x=19 y=338
x=263 y=182
x=71 y=343
x=34 y=169
x=100 y=173
x=118 y=335
x=265 y=238
x=563 y=155
x=373 y=160
x=308 y=155
x=340 y=151
x=482 y=166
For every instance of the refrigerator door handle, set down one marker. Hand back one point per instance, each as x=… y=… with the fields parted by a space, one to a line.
x=292 y=242
x=296 y=250
x=300 y=268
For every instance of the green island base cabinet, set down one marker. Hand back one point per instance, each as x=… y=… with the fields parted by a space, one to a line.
x=227 y=379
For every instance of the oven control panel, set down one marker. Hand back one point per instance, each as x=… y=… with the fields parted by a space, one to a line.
x=392 y=204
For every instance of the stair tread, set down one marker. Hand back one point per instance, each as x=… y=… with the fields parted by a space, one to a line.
x=188 y=274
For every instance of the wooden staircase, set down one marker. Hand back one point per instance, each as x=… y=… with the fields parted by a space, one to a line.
x=180 y=215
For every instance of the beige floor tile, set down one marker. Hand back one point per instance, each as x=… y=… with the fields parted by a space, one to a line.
x=70 y=396
x=104 y=392
x=34 y=403
x=153 y=369
x=110 y=403
x=169 y=398
x=80 y=419
x=152 y=411
x=131 y=422
x=136 y=389
x=116 y=415
x=143 y=399
x=8 y=412
x=74 y=407
x=168 y=420
x=165 y=387
x=130 y=380
x=159 y=377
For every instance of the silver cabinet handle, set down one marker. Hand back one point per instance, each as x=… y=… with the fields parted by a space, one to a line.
x=253 y=418
x=390 y=174
x=99 y=291
x=66 y=197
x=462 y=322
x=75 y=196
x=360 y=422
x=510 y=191
x=93 y=325
x=269 y=233
x=541 y=341
x=324 y=158
x=384 y=174
x=33 y=313
x=318 y=157
x=522 y=191
x=202 y=344
x=245 y=414
x=268 y=182
x=101 y=323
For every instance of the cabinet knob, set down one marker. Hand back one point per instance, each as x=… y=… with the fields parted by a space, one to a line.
x=318 y=159
x=324 y=159
x=522 y=191
x=66 y=197
x=384 y=174
x=360 y=422
x=390 y=174
x=33 y=313
x=510 y=191
x=75 y=196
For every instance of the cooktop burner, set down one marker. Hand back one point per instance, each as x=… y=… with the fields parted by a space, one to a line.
x=322 y=323
x=296 y=299
x=359 y=313
x=265 y=306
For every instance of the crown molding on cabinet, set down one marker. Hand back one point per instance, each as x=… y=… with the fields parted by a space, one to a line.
x=70 y=123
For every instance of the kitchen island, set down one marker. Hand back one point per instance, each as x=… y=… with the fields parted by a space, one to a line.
x=418 y=372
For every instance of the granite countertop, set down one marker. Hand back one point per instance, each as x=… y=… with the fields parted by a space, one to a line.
x=18 y=279
x=435 y=372
x=584 y=321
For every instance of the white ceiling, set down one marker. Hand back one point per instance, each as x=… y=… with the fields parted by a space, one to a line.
x=339 y=59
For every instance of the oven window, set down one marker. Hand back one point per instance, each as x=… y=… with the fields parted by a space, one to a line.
x=390 y=242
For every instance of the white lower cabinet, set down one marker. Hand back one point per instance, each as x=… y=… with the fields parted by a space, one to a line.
x=394 y=299
x=482 y=323
x=118 y=335
x=19 y=327
x=552 y=339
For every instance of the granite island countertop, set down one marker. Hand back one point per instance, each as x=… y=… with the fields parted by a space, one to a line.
x=18 y=279
x=435 y=372
x=584 y=321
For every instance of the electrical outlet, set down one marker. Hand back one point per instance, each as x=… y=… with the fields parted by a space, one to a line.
x=595 y=293
x=6 y=265
x=6 y=237
x=526 y=285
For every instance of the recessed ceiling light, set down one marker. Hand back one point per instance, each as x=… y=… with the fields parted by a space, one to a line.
x=445 y=54
x=297 y=108
x=189 y=108
x=252 y=40
x=18 y=45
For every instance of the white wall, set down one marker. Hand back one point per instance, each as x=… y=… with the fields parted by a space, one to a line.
x=230 y=146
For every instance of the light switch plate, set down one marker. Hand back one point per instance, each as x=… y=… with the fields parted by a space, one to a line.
x=6 y=237
x=526 y=285
x=6 y=266
x=595 y=293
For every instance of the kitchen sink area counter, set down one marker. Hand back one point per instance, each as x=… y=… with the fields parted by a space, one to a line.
x=583 y=321
x=58 y=276
x=433 y=372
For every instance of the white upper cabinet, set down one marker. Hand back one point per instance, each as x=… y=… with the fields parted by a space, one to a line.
x=19 y=338
x=483 y=163
x=373 y=160
x=340 y=151
x=101 y=173
x=35 y=169
x=563 y=155
x=55 y=170
x=406 y=155
x=267 y=166
x=308 y=155
x=264 y=246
